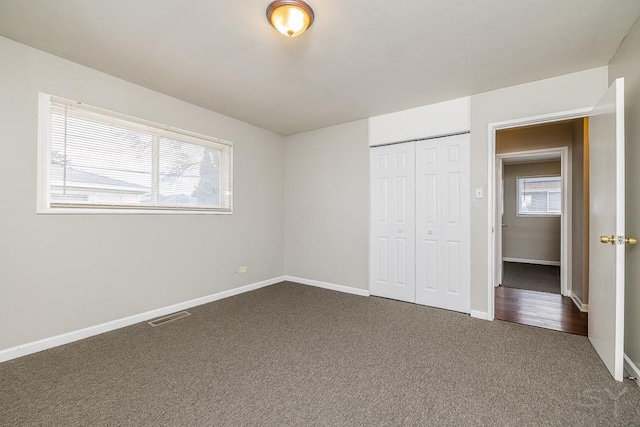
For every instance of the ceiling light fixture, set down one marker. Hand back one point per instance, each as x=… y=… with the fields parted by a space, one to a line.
x=290 y=17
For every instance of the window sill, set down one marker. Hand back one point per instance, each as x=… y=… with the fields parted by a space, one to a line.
x=539 y=215
x=127 y=211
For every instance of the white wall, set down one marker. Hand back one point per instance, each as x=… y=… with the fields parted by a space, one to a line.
x=439 y=119
x=563 y=93
x=626 y=63
x=327 y=205
x=60 y=273
x=526 y=237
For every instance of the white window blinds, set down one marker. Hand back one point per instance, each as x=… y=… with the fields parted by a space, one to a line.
x=103 y=160
x=540 y=195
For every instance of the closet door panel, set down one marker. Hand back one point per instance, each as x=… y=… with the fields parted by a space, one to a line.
x=428 y=230
x=392 y=238
x=442 y=223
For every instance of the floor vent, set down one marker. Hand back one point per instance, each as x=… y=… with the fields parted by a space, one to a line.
x=170 y=318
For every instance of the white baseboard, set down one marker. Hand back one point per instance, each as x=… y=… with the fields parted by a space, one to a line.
x=479 y=314
x=532 y=261
x=330 y=286
x=47 y=343
x=632 y=368
x=578 y=302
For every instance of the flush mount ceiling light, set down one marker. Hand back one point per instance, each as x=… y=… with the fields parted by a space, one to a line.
x=290 y=17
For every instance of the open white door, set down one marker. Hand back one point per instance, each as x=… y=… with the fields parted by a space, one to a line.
x=607 y=229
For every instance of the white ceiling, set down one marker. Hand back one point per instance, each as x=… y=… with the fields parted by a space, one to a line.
x=359 y=59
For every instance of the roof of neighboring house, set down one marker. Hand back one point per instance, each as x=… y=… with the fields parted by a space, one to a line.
x=76 y=177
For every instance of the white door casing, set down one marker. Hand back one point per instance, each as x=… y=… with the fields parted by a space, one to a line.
x=392 y=236
x=492 y=222
x=443 y=223
x=562 y=154
x=607 y=218
x=499 y=220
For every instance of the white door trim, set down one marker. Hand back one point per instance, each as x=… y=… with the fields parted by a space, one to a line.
x=565 y=221
x=491 y=153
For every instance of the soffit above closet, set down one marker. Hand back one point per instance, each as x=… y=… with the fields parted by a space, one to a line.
x=361 y=58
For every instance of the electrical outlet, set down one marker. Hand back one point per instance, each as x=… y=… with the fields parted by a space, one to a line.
x=242 y=269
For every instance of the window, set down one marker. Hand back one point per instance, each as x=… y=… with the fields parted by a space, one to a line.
x=92 y=160
x=539 y=195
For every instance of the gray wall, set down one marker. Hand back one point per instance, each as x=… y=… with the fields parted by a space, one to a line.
x=626 y=63
x=580 y=212
x=327 y=204
x=563 y=93
x=532 y=238
x=60 y=273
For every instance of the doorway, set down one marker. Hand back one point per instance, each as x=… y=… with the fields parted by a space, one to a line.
x=531 y=223
x=539 y=239
x=604 y=227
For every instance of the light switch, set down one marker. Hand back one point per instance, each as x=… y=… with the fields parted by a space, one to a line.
x=479 y=193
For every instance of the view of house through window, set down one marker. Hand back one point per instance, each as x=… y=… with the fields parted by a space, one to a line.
x=104 y=160
x=539 y=195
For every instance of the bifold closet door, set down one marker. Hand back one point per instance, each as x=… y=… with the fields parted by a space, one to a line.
x=443 y=223
x=392 y=239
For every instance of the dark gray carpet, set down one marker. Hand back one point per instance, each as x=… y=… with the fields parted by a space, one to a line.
x=532 y=277
x=296 y=355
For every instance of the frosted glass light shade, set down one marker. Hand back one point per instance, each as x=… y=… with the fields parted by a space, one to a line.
x=290 y=17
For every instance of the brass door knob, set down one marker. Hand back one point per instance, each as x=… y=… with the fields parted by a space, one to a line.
x=608 y=239
x=612 y=240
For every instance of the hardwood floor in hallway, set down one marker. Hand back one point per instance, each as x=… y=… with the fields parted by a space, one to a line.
x=544 y=310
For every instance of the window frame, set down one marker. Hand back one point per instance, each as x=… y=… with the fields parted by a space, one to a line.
x=542 y=214
x=44 y=204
